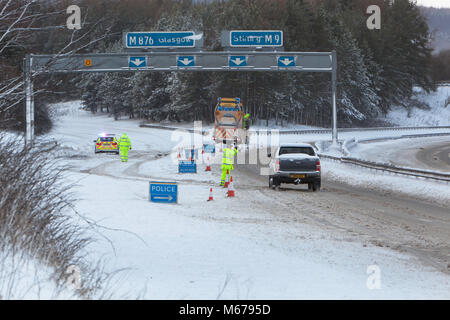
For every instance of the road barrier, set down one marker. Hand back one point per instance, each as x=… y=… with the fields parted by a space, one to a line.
x=327 y=131
x=303 y=131
x=377 y=166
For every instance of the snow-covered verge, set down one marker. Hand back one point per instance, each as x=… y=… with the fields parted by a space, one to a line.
x=438 y=115
x=23 y=277
x=234 y=248
x=429 y=191
x=42 y=241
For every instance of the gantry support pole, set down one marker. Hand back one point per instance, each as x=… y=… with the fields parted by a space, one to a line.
x=29 y=101
x=333 y=89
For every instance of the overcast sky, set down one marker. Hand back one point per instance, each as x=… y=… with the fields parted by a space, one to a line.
x=434 y=3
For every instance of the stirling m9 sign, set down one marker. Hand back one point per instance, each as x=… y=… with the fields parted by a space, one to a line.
x=153 y=40
x=252 y=38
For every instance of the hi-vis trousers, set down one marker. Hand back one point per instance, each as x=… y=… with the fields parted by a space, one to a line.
x=225 y=168
x=124 y=154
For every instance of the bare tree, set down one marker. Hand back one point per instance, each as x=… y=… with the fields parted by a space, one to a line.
x=20 y=21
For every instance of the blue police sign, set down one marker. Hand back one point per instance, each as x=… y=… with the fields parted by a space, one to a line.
x=253 y=38
x=137 y=62
x=185 y=61
x=286 y=61
x=163 y=192
x=156 y=39
x=237 y=61
x=209 y=148
x=186 y=166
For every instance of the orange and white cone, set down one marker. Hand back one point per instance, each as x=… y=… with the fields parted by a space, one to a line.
x=210 y=195
x=208 y=165
x=227 y=180
x=230 y=192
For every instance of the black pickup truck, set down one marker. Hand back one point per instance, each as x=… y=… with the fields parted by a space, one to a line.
x=296 y=164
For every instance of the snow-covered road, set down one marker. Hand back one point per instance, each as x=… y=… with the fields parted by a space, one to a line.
x=260 y=244
x=431 y=153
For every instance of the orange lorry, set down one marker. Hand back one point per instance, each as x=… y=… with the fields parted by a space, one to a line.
x=228 y=120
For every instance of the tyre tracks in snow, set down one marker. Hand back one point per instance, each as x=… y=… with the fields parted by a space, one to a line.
x=381 y=219
x=346 y=213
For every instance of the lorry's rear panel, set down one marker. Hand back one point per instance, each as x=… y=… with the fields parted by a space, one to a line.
x=228 y=118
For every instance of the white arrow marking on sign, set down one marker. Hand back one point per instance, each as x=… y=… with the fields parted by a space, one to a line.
x=137 y=62
x=286 y=61
x=238 y=61
x=194 y=37
x=185 y=61
x=165 y=198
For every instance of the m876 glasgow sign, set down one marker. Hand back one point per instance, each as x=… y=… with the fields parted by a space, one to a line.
x=156 y=39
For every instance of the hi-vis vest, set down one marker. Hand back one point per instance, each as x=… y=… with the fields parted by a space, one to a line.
x=124 y=142
x=228 y=155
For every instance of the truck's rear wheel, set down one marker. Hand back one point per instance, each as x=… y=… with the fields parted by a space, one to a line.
x=273 y=183
x=316 y=186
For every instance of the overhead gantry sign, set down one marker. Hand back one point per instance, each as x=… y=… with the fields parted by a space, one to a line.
x=178 y=51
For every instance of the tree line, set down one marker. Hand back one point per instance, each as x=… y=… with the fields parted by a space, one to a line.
x=376 y=68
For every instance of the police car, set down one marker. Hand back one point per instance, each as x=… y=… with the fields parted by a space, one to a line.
x=106 y=142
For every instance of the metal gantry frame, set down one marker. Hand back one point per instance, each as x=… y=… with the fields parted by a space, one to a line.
x=166 y=61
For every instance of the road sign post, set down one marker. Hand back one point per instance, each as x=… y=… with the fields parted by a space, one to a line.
x=191 y=153
x=209 y=148
x=163 y=192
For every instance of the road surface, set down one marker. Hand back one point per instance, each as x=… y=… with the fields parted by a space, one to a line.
x=435 y=156
x=432 y=153
x=386 y=220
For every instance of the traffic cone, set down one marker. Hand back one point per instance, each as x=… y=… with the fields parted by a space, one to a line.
x=227 y=180
x=230 y=192
x=208 y=165
x=210 y=195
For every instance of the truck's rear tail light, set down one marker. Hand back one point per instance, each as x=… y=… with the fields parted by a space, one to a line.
x=277 y=165
x=318 y=165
